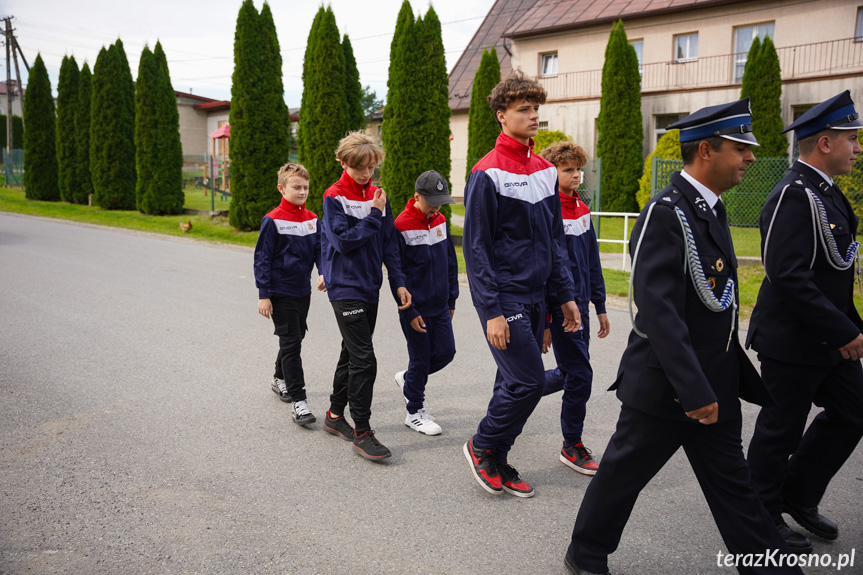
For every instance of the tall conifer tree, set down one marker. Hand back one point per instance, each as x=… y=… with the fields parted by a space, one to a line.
x=84 y=187
x=112 y=130
x=146 y=125
x=169 y=177
x=767 y=104
x=482 y=126
x=67 y=105
x=40 y=138
x=620 y=130
x=322 y=111
x=749 y=78
x=354 y=118
x=260 y=125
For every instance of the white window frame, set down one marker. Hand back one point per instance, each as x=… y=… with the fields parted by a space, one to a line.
x=762 y=30
x=543 y=126
x=547 y=60
x=691 y=47
x=657 y=131
x=639 y=53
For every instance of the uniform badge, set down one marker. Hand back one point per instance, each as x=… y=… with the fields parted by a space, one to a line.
x=720 y=265
x=711 y=283
x=832 y=226
x=701 y=204
x=798 y=182
x=666 y=198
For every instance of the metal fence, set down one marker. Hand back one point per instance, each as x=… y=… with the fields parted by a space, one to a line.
x=13 y=167
x=744 y=201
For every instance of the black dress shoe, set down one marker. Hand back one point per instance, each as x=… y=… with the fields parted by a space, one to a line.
x=812 y=521
x=575 y=569
x=797 y=542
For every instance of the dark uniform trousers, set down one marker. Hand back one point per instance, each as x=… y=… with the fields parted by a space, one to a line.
x=428 y=353
x=289 y=318
x=354 y=380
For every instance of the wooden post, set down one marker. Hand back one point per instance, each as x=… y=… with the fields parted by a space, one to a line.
x=224 y=165
x=213 y=168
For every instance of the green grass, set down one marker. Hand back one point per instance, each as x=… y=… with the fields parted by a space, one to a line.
x=199 y=199
x=457 y=209
x=203 y=227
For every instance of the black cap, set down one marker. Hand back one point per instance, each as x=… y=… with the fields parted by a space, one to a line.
x=837 y=113
x=433 y=187
x=731 y=121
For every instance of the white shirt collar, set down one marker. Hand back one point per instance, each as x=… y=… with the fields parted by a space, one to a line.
x=705 y=192
x=827 y=178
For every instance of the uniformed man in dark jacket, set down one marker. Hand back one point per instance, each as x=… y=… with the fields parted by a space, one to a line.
x=805 y=327
x=683 y=370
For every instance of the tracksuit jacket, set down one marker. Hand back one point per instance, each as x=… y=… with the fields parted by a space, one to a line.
x=583 y=252
x=288 y=245
x=355 y=239
x=428 y=262
x=513 y=235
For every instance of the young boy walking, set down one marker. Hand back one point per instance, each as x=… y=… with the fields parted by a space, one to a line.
x=513 y=247
x=288 y=245
x=357 y=236
x=431 y=274
x=573 y=373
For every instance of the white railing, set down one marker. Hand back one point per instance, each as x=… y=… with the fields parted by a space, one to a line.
x=623 y=242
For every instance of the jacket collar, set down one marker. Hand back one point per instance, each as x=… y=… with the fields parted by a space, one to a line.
x=722 y=237
x=513 y=148
x=358 y=190
x=416 y=216
x=287 y=211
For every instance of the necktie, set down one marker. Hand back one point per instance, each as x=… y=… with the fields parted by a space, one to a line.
x=721 y=214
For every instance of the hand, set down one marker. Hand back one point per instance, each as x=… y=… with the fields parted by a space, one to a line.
x=571 y=317
x=380 y=201
x=451 y=313
x=604 y=326
x=705 y=415
x=322 y=286
x=418 y=324
x=265 y=307
x=854 y=349
x=497 y=332
x=546 y=340
x=405 y=297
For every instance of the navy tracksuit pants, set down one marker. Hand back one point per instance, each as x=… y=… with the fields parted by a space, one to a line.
x=428 y=353
x=519 y=382
x=289 y=318
x=573 y=373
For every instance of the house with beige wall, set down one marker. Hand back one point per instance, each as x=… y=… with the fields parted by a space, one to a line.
x=691 y=55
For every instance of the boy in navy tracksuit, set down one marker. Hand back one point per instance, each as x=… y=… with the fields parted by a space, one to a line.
x=513 y=247
x=573 y=373
x=288 y=245
x=431 y=270
x=357 y=236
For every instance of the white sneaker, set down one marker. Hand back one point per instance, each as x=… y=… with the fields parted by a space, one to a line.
x=423 y=422
x=400 y=381
x=302 y=414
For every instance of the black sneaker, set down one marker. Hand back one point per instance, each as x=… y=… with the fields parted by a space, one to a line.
x=512 y=483
x=339 y=427
x=483 y=467
x=302 y=415
x=578 y=457
x=281 y=389
x=367 y=445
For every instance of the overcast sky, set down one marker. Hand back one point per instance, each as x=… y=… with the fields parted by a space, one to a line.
x=198 y=36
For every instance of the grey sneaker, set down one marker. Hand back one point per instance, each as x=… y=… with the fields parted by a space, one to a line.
x=281 y=389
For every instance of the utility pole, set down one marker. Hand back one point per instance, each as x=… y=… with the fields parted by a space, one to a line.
x=8 y=21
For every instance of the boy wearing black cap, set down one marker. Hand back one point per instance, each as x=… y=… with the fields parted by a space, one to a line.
x=805 y=327
x=683 y=369
x=431 y=276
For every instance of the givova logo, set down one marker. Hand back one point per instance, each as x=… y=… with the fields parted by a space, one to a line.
x=514 y=317
x=353 y=312
x=514 y=184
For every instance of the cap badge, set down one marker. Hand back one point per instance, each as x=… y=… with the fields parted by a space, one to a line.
x=439 y=185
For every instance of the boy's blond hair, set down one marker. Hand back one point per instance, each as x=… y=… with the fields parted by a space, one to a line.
x=516 y=86
x=565 y=153
x=292 y=169
x=356 y=148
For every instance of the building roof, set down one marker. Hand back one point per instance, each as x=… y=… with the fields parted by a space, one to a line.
x=213 y=105
x=502 y=15
x=14 y=85
x=193 y=96
x=548 y=16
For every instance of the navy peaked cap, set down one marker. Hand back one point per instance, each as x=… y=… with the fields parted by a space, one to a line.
x=730 y=121
x=837 y=113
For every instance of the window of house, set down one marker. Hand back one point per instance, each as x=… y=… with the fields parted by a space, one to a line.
x=548 y=64
x=743 y=37
x=686 y=47
x=639 y=52
x=661 y=123
x=543 y=126
x=858 y=30
x=796 y=112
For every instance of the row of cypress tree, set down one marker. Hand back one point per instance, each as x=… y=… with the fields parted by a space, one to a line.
x=95 y=143
x=482 y=126
x=415 y=129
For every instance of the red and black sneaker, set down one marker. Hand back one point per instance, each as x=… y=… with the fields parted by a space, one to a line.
x=578 y=458
x=367 y=445
x=483 y=467
x=512 y=483
x=339 y=427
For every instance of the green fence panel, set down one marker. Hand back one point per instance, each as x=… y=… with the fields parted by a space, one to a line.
x=13 y=167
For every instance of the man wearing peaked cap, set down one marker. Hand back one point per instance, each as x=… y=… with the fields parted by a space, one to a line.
x=805 y=328
x=683 y=371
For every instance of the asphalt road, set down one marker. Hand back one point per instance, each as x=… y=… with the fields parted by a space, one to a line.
x=138 y=434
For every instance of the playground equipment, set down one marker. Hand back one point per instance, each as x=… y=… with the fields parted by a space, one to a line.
x=214 y=167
